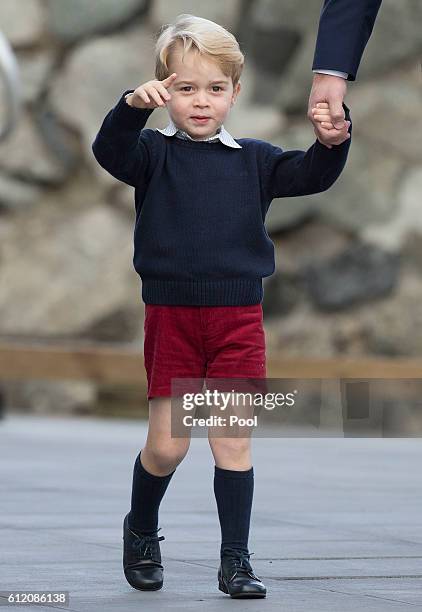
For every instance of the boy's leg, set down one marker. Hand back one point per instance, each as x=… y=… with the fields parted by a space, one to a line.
x=154 y=467
x=233 y=490
x=162 y=453
x=237 y=351
x=236 y=354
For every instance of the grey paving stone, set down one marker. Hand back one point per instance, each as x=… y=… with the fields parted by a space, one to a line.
x=336 y=523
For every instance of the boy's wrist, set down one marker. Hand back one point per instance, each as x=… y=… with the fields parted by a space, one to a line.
x=322 y=145
x=130 y=116
x=128 y=97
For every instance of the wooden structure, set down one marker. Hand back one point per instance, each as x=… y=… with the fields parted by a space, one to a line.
x=114 y=363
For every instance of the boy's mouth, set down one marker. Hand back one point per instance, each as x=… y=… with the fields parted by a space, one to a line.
x=200 y=118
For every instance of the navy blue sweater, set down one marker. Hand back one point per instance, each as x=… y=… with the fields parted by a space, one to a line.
x=200 y=207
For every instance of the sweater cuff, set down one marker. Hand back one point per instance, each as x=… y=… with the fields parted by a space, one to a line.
x=346 y=118
x=129 y=116
x=346 y=112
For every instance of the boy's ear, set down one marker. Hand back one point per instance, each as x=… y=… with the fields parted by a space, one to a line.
x=236 y=91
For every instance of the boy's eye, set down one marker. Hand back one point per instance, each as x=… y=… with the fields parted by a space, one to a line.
x=189 y=86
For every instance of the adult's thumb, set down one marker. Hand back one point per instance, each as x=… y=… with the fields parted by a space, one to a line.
x=337 y=113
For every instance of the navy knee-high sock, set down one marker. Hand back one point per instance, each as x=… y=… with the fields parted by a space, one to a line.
x=234 y=493
x=147 y=492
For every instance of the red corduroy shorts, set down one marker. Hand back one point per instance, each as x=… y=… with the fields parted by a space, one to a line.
x=202 y=342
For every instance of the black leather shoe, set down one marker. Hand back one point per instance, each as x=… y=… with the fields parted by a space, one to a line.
x=236 y=576
x=142 y=559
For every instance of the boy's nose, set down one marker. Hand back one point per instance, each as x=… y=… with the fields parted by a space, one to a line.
x=201 y=100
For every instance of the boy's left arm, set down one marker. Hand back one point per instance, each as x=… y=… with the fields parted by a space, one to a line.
x=296 y=173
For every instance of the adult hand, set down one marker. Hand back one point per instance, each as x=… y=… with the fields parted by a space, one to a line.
x=331 y=89
x=322 y=114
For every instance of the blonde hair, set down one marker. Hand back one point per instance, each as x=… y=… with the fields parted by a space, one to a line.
x=206 y=37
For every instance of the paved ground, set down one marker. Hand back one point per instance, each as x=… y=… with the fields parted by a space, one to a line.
x=337 y=523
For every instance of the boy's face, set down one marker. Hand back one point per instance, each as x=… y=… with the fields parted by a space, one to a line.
x=202 y=95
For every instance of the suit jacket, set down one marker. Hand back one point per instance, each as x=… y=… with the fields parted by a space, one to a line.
x=344 y=29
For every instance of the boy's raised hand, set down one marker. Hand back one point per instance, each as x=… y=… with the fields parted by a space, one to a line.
x=152 y=94
x=321 y=113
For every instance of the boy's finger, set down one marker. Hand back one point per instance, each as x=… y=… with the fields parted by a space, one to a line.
x=345 y=129
x=322 y=104
x=321 y=111
x=163 y=91
x=144 y=96
x=326 y=131
x=153 y=93
x=169 y=80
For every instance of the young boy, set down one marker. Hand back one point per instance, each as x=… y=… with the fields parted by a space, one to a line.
x=201 y=250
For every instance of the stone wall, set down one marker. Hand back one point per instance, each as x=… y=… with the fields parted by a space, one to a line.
x=348 y=279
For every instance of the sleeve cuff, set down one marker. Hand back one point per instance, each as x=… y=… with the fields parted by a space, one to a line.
x=346 y=111
x=129 y=116
x=339 y=73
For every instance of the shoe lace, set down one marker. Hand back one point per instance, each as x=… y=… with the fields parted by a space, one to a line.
x=146 y=542
x=239 y=562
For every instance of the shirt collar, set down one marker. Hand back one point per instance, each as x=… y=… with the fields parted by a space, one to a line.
x=222 y=135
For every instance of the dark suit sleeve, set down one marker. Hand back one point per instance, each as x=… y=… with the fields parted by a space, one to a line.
x=344 y=30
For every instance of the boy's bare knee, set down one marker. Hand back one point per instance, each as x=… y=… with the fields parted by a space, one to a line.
x=230 y=447
x=165 y=457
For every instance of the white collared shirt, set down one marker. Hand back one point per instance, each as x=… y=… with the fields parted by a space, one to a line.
x=222 y=135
